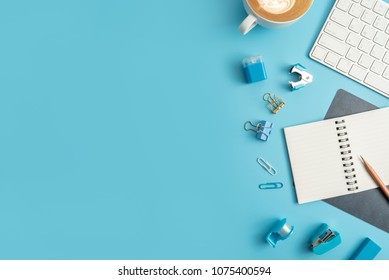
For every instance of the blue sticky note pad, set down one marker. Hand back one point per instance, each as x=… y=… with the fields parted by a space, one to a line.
x=367 y=251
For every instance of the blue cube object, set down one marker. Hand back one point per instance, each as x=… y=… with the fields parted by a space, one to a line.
x=254 y=69
x=367 y=251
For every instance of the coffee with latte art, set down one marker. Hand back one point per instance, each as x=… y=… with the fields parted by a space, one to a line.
x=280 y=10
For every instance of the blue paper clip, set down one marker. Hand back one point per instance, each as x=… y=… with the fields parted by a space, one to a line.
x=280 y=231
x=262 y=129
x=324 y=240
x=271 y=186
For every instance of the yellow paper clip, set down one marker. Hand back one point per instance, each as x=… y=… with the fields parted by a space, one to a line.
x=271 y=186
x=274 y=103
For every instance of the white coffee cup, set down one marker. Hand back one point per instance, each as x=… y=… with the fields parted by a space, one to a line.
x=273 y=13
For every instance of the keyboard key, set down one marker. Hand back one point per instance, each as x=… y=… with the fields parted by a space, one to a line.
x=319 y=53
x=358 y=72
x=377 y=52
x=380 y=38
x=365 y=61
x=344 y=5
x=381 y=23
x=380 y=8
x=365 y=45
x=353 y=54
x=336 y=30
x=386 y=73
x=353 y=39
x=344 y=65
x=377 y=82
x=368 y=3
x=386 y=58
x=377 y=67
x=341 y=18
x=332 y=59
x=356 y=10
x=368 y=32
x=368 y=17
x=356 y=25
x=333 y=44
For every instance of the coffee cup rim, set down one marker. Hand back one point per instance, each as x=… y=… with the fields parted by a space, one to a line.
x=279 y=22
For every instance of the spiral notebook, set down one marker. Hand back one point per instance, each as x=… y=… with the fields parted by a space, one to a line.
x=324 y=155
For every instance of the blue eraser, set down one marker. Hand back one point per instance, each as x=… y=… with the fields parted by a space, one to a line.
x=254 y=69
x=368 y=250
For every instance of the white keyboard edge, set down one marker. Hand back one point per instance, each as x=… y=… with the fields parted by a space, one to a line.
x=333 y=68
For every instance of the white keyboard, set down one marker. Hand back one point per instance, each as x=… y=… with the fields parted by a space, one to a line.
x=354 y=41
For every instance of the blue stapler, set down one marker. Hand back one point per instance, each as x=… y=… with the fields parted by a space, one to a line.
x=324 y=240
x=280 y=231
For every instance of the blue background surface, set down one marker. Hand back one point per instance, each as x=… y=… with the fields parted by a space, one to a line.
x=122 y=132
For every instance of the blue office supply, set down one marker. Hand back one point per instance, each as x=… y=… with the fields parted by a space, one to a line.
x=271 y=186
x=368 y=250
x=262 y=129
x=254 y=69
x=280 y=231
x=304 y=77
x=324 y=240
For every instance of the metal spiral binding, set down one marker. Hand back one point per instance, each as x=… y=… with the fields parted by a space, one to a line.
x=346 y=155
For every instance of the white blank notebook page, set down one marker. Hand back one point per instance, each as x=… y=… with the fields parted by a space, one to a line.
x=316 y=159
x=369 y=137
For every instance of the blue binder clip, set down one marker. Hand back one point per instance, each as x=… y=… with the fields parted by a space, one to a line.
x=262 y=129
x=305 y=77
x=324 y=240
x=280 y=231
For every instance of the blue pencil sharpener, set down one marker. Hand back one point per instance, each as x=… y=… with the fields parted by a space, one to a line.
x=324 y=240
x=254 y=69
x=280 y=231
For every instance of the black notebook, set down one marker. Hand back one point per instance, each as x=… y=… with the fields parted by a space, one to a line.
x=370 y=206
